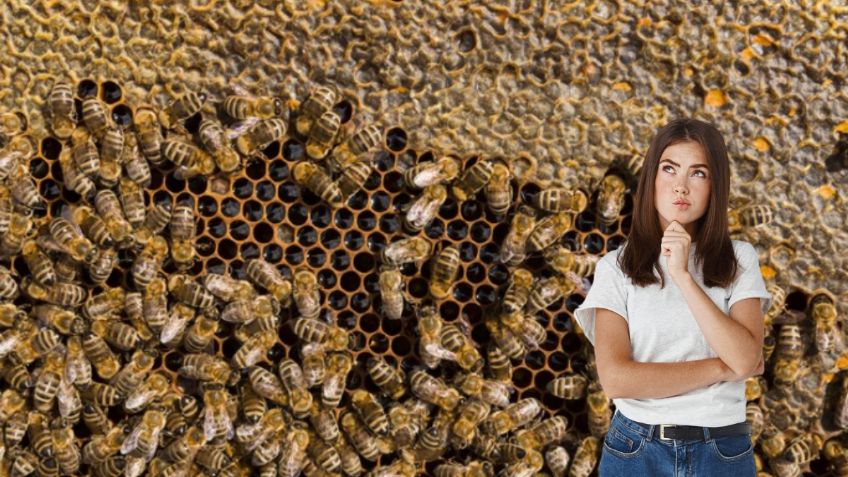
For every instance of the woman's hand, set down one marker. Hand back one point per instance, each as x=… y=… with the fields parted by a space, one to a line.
x=730 y=375
x=675 y=246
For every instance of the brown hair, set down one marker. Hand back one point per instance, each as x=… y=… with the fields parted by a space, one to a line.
x=715 y=250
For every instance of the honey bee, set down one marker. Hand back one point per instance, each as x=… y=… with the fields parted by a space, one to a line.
x=153 y=388
x=499 y=190
x=789 y=349
x=11 y=403
x=407 y=421
x=268 y=277
x=111 y=147
x=212 y=458
x=23 y=189
x=557 y=459
x=355 y=148
x=320 y=100
x=470 y=414
x=571 y=386
x=293 y=453
x=425 y=208
x=143 y=440
x=259 y=135
x=148 y=263
x=95 y=419
x=253 y=349
x=133 y=373
x=95 y=116
x=66 y=450
x=316 y=331
x=242 y=106
x=434 y=441
x=546 y=291
x=92 y=226
x=97 y=351
x=204 y=367
x=77 y=365
x=101 y=394
x=549 y=431
x=433 y=390
x=136 y=167
x=70 y=238
x=827 y=337
x=599 y=414
x=72 y=177
x=306 y=294
x=217 y=144
x=155 y=221
x=531 y=464
x=491 y=392
x=61 y=110
x=40 y=437
x=563 y=261
x=353 y=177
x=184 y=448
x=456 y=342
x=23 y=462
x=499 y=364
x=473 y=179
x=324 y=422
x=338 y=367
x=389 y=379
x=19 y=229
x=291 y=376
x=155 y=304
x=371 y=412
x=227 y=289
x=358 y=435
x=749 y=216
x=803 y=448
x=180 y=109
x=182 y=227
x=313 y=363
x=187 y=291
x=105 y=305
x=518 y=292
x=399 y=468
x=109 y=208
x=549 y=230
x=514 y=248
x=430 y=347
x=425 y=174
x=120 y=335
x=325 y=456
x=6 y=208
x=174 y=329
x=391 y=292
x=351 y=463
x=132 y=200
x=558 y=200
x=444 y=272
x=200 y=334
x=266 y=385
x=512 y=417
x=8 y=288
x=217 y=424
x=253 y=406
x=17 y=375
x=779 y=300
x=411 y=249
x=322 y=134
x=472 y=469
x=316 y=180
x=38 y=263
x=183 y=153
x=250 y=436
x=611 y=198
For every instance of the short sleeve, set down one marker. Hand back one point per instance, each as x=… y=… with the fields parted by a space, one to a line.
x=607 y=291
x=749 y=281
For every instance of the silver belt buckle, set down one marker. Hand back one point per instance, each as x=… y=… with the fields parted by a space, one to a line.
x=663 y=427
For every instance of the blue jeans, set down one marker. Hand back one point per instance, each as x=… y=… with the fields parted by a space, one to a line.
x=632 y=450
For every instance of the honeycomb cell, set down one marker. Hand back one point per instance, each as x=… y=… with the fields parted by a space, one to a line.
x=384 y=161
x=265 y=191
x=340 y=260
x=614 y=242
x=122 y=115
x=471 y=210
x=252 y=210
x=239 y=230
x=174 y=185
x=343 y=219
x=205 y=246
x=87 y=88
x=534 y=359
x=449 y=209
x=243 y=188
x=227 y=249
x=230 y=207
x=354 y=240
x=486 y=295
x=585 y=221
x=50 y=148
x=272 y=253
x=480 y=232
x=275 y=212
x=389 y=223
x=298 y=214
x=571 y=240
x=255 y=170
x=393 y=182
x=378 y=343
x=207 y=206
x=529 y=192
x=358 y=200
x=248 y=251
x=320 y=216
x=418 y=288
x=293 y=150
x=463 y=292
x=558 y=361
x=316 y=257
x=396 y=139
x=307 y=236
x=435 y=229
x=288 y=192
x=110 y=92
x=364 y=262
x=278 y=170
x=294 y=255
x=337 y=300
x=366 y=220
x=521 y=377
x=593 y=243
x=360 y=302
x=475 y=273
x=372 y=283
x=330 y=239
x=376 y=242
x=344 y=109
x=373 y=181
x=263 y=233
x=401 y=346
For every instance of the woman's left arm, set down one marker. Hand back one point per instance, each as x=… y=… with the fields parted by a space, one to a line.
x=738 y=338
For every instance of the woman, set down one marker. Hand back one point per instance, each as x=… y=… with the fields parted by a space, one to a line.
x=676 y=318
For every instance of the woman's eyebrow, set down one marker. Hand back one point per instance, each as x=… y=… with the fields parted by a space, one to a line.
x=693 y=166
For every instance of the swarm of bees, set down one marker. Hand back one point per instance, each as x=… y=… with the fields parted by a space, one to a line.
x=83 y=384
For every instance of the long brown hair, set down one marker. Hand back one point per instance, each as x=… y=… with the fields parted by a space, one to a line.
x=714 y=251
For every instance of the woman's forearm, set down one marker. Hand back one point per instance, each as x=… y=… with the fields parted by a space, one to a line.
x=636 y=380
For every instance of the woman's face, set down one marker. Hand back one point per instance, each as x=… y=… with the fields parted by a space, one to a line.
x=683 y=174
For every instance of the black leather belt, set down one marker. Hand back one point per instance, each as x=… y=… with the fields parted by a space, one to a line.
x=670 y=431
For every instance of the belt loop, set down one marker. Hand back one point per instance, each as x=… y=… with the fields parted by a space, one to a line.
x=707 y=437
x=651 y=432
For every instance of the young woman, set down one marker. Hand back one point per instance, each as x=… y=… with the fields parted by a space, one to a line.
x=676 y=318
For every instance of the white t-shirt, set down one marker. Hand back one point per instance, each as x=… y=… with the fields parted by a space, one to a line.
x=663 y=329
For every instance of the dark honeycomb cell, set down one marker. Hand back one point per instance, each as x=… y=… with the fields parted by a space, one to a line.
x=122 y=115
x=239 y=230
x=535 y=359
x=288 y=192
x=308 y=197
x=585 y=221
x=466 y=40
x=364 y=262
x=110 y=92
x=243 y=188
x=293 y=150
x=380 y=201
x=486 y=295
x=471 y=210
x=49 y=189
x=396 y=139
x=521 y=377
x=272 y=253
x=372 y=283
x=217 y=227
x=350 y=281
x=358 y=200
x=293 y=255
x=344 y=219
x=449 y=209
x=625 y=225
x=435 y=229
x=174 y=185
x=86 y=89
x=316 y=257
x=255 y=170
x=327 y=279
x=330 y=239
x=337 y=300
x=462 y=292
x=528 y=193
x=360 y=302
x=298 y=214
x=457 y=230
x=307 y=236
x=373 y=181
x=594 y=243
x=272 y=150
x=263 y=233
x=467 y=251
x=608 y=229
x=475 y=272
x=275 y=212
x=248 y=251
x=278 y=170
x=366 y=220
x=418 y=287
x=265 y=191
x=353 y=240
x=321 y=216
x=227 y=249
x=50 y=148
x=558 y=361
x=401 y=346
x=384 y=160
x=378 y=343
x=571 y=240
x=480 y=232
x=393 y=181
x=498 y=274
x=252 y=210
x=402 y=202
x=340 y=260
x=376 y=242
x=614 y=242
x=230 y=207
x=389 y=223
x=205 y=246
x=207 y=206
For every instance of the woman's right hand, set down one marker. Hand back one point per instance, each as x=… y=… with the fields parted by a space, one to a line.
x=730 y=375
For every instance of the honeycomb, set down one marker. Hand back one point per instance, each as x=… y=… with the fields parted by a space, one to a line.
x=564 y=84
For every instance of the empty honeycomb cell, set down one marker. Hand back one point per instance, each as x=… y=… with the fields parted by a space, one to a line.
x=207 y=206
x=307 y=236
x=277 y=353
x=449 y=209
x=366 y=220
x=472 y=313
x=174 y=185
x=528 y=192
x=401 y=202
x=278 y=170
x=294 y=255
x=521 y=377
x=263 y=233
x=409 y=269
x=391 y=327
x=337 y=300
x=205 y=246
x=463 y=292
x=344 y=109
x=364 y=262
x=239 y=229
x=562 y=322
x=156 y=180
x=242 y=188
x=227 y=249
x=551 y=342
x=122 y=115
x=217 y=227
x=571 y=240
x=418 y=288
x=467 y=251
x=288 y=192
x=50 y=148
x=248 y=251
x=457 y=229
x=393 y=181
x=593 y=243
x=275 y=212
x=343 y=219
x=293 y=150
x=358 y=200
x=396 y=139
x=486 y=294
x=585 y=221
x=87 y=88
x=340 y=260
x=320 y=216
x=489 y=252
x=272 y=253
x=542 y=379
x=481 y=231
x=256 y=170
x=558 y=361
x=475 y=273
x=272 y=150
x=356 y=341
x=308 y=197
x=384 y=161
x=435 y=229
x=372 y=283
x=49 y=189
x=471 y=210
x=38 y=168
x=465 y=40
x=389 y=223
x=608 y=229
x=498 y=274
x=354 y=240
x=197 y=185
x=378 y=343
x=373 y=181
x=265 y=191
x=376 y=242
x=330 y=239
x=534 y=359
x=350 y=281
x=115 y=279
x=298 y=214
x=192 y=124
x=401 y=345
x=614 y=242
x=369 y=323
x=360 y=302
x=380 y=201
x=110 y=92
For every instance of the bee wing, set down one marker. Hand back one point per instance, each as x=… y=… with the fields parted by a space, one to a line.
x=131 y=442
x=134 y=466
x=239 y=128
x=238 y=90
